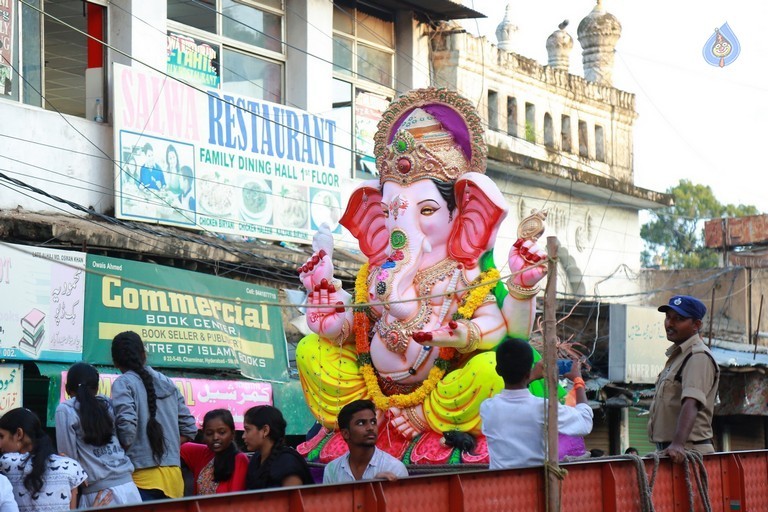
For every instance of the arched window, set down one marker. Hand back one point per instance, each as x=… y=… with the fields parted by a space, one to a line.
x=599 y=143
x=493 y=110
x=530 y=122
x=583 y=139
x=512 y=116
x=565 y=133
x=549 y=138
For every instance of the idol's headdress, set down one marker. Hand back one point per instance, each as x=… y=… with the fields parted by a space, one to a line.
x=429 y=133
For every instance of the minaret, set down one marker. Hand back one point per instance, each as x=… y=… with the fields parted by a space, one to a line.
x=559 y=45
x=506 y=31
x=598 y=34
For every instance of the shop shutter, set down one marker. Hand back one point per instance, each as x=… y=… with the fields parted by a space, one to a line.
x=638 y=430
x=599 y=437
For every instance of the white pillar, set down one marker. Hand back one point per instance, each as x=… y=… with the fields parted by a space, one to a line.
x=624 y=429
x=138 y=28
x=412 y=66
x=309 y=68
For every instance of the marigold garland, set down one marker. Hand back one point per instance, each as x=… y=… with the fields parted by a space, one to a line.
x=486 y=281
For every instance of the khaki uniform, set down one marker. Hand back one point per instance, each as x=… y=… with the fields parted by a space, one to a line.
x=699 y=380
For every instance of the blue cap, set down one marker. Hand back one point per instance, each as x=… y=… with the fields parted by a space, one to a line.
x=687 y=306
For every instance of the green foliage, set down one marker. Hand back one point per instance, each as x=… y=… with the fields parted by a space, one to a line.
x=675 y=239
x=530 y=133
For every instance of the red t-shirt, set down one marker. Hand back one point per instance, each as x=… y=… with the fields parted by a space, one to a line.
x=197 y=456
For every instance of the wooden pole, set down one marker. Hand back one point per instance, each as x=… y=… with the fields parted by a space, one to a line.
x=749 y=303
x=550 y=367
x=711 y=314
x=757 y=331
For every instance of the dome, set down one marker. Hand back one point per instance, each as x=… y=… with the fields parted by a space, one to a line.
x=506 y=31
x=598 y=33
x=559 y=45
x=599 y=22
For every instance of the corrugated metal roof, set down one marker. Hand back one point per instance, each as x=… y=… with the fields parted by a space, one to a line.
x=739 y=355
x=436 y=9
x=736 y=358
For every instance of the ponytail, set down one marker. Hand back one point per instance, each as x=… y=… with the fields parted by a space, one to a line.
x=128 y=354
x=42 y=449
x=224 y=463
x=95 y=419
x=42 y=446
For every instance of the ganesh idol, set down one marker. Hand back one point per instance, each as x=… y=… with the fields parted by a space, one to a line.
x=417 y=334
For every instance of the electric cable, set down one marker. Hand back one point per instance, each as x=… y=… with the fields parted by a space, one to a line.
x=139 y=226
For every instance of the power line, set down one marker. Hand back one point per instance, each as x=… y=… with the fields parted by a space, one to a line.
x=563 y=154
x=143 y=227
x=129 y=56
x=678 y=286
x=220 y=13
x=23 y=77
x=154 y=232
x=182 y=212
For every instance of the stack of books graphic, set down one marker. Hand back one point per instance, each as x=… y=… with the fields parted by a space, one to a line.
x=33 y=329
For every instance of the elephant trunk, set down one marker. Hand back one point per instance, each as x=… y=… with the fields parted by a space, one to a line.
x=403 y=304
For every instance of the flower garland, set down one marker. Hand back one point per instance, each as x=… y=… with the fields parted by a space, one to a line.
x=484 y=283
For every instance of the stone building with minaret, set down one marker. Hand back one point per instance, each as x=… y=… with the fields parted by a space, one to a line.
x=559 y=142
x=563 y=143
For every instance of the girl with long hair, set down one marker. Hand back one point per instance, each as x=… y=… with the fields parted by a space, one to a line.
x=273 y=464
x=85 y=431
x=151 y=418
x=217 y=466
x=41 y=479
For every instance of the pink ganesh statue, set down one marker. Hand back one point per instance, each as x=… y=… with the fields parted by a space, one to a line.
x=429 y=306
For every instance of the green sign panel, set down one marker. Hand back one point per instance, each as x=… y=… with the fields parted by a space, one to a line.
x=186 y=319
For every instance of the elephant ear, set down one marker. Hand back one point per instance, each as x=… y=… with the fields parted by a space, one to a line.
x=481 y=209
x=365 y=220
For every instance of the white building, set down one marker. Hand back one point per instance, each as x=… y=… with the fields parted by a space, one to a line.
x=556 y=141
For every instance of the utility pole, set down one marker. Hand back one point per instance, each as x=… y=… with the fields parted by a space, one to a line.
x=552 y=473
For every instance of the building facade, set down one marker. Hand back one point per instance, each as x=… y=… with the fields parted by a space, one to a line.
x=81 y=141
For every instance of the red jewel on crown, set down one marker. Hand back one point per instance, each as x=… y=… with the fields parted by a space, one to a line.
x=404 y=165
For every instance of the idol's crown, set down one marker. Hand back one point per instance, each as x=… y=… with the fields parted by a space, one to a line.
x=421 y=149
x=429 y=133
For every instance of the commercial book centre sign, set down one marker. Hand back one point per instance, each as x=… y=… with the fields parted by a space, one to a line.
x=222 y=162
x=205 y=322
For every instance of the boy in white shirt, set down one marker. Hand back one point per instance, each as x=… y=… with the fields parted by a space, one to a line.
x=364 y=461
x=513 y=420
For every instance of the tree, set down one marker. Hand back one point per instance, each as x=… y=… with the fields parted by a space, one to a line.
x=676 y=234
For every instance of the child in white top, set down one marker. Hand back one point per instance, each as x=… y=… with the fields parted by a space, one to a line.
x=41 y=480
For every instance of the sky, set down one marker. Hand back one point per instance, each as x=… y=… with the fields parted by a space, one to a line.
x=696 y=121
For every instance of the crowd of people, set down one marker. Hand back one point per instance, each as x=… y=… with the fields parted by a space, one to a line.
x=131 y=448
